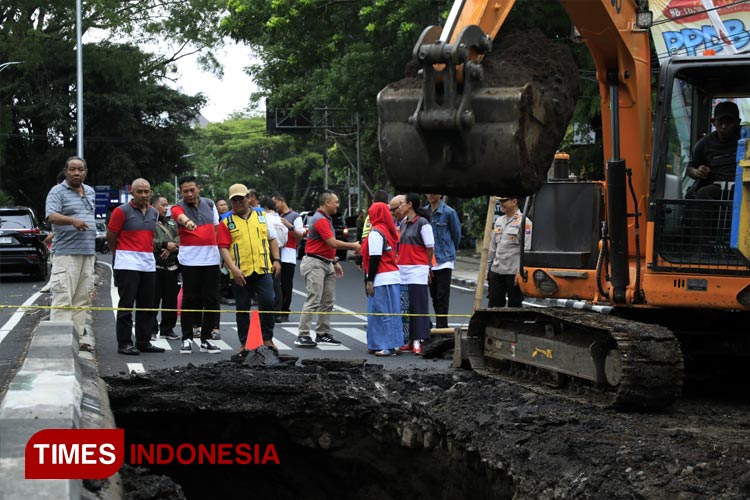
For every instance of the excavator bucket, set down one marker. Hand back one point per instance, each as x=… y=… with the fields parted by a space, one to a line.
x=493 y=156
x=453 y=133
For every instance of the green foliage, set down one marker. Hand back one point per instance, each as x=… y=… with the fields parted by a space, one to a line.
x=240 y=150
x=6 y=200
x=133 y=125
x=165 y=189
x=475 y=216
x=317 y=53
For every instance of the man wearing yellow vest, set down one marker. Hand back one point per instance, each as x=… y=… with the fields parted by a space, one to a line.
x=250 y=252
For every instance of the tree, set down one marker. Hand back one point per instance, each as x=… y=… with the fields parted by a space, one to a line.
x=349 y=52
x=133 y=125
x=240 y=150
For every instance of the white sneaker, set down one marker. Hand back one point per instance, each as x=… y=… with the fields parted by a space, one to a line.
x=186 y=347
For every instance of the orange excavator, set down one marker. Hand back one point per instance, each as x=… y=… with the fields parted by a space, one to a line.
x=671 y=270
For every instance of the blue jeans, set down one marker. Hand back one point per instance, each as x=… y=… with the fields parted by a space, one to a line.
x=260 y=286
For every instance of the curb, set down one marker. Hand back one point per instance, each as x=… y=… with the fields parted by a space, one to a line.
x=464 y=282
x=58 y=386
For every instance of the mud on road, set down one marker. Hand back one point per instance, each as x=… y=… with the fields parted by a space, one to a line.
x=348 y=430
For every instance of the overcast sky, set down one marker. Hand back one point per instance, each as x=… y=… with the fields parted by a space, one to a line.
x=227 y=95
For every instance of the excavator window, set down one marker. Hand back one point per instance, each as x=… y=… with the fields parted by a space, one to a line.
x=693 y=230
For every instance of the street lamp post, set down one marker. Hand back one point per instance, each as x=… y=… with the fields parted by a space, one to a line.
x=10 y=63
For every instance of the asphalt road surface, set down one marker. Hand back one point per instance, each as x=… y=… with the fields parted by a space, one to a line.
x=349 y=327
x=17 y=325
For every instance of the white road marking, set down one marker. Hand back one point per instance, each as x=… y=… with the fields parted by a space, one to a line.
x=355 y=333
x=136 y=367
x=163 y=343
x=281 y=346
x=16 y=317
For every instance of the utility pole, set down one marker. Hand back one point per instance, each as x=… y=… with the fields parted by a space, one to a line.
x=79 y=81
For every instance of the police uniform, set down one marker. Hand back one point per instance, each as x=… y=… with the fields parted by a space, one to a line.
x=504 y=255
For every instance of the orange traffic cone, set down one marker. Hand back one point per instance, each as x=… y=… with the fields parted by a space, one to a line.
x=254 y=337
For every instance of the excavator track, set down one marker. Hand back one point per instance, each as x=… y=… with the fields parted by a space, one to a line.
x=581 y=355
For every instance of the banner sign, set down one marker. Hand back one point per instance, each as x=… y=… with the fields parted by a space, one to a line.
x=692 y=27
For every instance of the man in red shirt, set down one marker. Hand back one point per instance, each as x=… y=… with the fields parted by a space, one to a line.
x=130 y=236
x=199 y=257
x=320 y=268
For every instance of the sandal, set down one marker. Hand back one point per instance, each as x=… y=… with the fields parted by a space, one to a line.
x=385 y=352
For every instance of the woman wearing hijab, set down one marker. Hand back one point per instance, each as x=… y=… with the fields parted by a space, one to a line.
x=415 y=249
x=382 y=282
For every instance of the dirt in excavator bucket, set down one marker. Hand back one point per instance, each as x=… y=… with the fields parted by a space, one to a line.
x=521 y=109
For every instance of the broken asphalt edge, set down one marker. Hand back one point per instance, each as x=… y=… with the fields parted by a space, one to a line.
x=57 y=387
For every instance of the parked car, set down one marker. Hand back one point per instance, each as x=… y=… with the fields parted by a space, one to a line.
x=339 y=226
x=101 y=240
x=22 y=247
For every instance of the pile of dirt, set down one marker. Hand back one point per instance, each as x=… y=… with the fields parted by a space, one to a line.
x=510 y=440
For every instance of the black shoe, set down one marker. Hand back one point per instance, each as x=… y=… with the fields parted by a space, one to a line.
x=207 y=346
x=150 y=348
x=128 y=350
x=281 y=318
x=326 y=339
x=305 y=341
x=153 y=336
x=171 y=335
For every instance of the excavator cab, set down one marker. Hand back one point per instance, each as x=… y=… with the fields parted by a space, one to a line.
x=694 y=220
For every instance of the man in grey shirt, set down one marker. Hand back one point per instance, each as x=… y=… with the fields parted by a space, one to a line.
x=70 y=210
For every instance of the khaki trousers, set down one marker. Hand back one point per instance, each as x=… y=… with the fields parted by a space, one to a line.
x=320 y=283
x=71 y=284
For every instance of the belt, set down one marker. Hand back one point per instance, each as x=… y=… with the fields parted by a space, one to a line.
x=327 y=261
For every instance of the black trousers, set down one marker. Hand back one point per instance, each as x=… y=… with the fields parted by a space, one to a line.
x=199 y=291
x=440 y=291
x=502 y=285
x=165 y=297
x=135 y=288
x=259 y=286
x=287 y=281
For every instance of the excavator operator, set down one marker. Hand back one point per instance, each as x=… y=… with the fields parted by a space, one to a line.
x=715 y=156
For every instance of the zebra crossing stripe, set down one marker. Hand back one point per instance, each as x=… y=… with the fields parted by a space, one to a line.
x=163 y=343
x=355 y=333
x=136 y=367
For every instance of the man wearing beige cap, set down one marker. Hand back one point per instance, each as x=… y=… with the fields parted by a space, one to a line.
x=250 y=251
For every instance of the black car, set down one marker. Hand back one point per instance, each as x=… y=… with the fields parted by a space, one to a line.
x=22 y=247
x=339 y=225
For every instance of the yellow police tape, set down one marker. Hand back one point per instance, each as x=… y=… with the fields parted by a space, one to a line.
x=152 y=309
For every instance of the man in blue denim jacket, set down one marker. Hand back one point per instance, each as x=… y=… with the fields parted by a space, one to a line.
x=447 y=231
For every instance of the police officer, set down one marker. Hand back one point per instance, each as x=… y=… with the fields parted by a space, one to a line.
x=504 y=254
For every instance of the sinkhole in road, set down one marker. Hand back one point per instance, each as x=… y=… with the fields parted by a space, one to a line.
x=290 y=433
